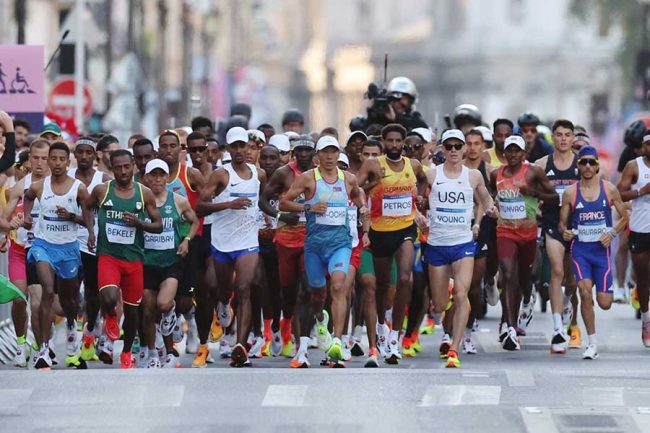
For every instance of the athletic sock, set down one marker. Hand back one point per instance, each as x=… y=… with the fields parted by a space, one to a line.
x=358 y=330
x=21 y=340
x=393 y=335
x=468 y=333
x=557 y=322
x=592 y=340
x=304 y=344
x=567 y=300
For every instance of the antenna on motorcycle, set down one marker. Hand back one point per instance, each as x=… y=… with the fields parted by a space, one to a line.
x=385 y=67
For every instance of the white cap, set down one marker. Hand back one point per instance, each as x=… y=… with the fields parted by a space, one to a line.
x=154 y=164
x=291 y=134
x=327 y=141
x=485 y=131
x=646 y=138
x=344 y=159
x=236 y=134
x=259 y=134
x=352 y=134
x=453 y=133
x=281 y=142
x=425 y=133
x=226 y=158
x=516 y=140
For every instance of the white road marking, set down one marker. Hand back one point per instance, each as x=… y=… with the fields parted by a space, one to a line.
x=602 y=396
x=488 y=342
x=284 y=395
x=455 y=395
x=641 y=417
x=538 y=420
x=11 y=399
x=520 y=378
x=173 y=396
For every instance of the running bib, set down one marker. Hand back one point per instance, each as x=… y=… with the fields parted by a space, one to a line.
x=159 y=241
x=592 y=233
x=512 y=209
x=454 y=217
x=333 y=216
x=119 y=234
x=352 y=216
x=397 y=205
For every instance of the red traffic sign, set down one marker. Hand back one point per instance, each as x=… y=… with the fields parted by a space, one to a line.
x=61 y=99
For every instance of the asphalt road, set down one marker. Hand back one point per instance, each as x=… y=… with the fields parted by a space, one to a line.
x=494 y=391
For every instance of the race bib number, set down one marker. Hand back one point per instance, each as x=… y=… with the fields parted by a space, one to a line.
x=159 y=241
x=333 y=216
x=454 y=217
x=352 y=216
x=119 y=234
x=513 y=209
x=592 y=232
x=397 y=205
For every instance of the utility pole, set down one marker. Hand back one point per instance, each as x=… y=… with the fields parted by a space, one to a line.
x=79 y=67
x=20 y=14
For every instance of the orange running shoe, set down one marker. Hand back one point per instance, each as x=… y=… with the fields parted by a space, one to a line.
x=126 y=360
x=201 y=357
x=111 y=326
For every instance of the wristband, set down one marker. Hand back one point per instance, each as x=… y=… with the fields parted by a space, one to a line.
x=613 y=233
x=638 y=193
x=187 y=238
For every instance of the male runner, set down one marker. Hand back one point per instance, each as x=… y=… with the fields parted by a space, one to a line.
x=353 y=146
x=451 y=245
x=586 y=221
x=328 y=244
x=105 y=146
x=56 y=249
x=121 y=205
x=561 y=168
x=143 y=152
x=235 y=247
x=519 y=185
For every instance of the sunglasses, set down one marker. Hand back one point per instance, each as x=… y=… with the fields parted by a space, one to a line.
x=457 y=146
x=196 y=149
x=588 y=161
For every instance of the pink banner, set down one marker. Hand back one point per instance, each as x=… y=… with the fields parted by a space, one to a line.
x=22 y=80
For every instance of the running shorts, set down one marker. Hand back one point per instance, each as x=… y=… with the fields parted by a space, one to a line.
x=232 y=256
x=17 y=268
x=367 y=266
x=592 y=263
x=317 y=264
x=639 y=242
x=517 y=250
x=128 y=276
x=551 y=231
x=154 y=275
x=446 y=255
x=194 y=264
x=355 y=258
x=89 y=269
x=384 y=244
x=291 y=264
x=63 y=258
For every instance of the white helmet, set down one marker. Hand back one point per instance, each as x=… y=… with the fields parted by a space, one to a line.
x=399 y=86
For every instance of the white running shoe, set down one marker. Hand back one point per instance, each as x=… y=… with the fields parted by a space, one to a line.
x=619 y=295
x=73 y=342
x=152 y=363
x=224 y=313
x=559 y=343
x=192 y=343
x=345 y=349
x=170 y=361
x=468 y=346
x=276 y=344
x=160 y=343
x=492 y=293
x=591 y=352
x=43 y=360
x=256 y=348
x=322 y=332
x=526 y=314
x=511 y=342
x=177 y=332
x=141 y=361
x=225 y=350
x=168 y=322
x=382 y=339
x=301 y=360
x=394 y=353
x=22 y=355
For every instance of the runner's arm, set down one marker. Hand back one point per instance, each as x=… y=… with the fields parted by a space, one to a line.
x=184 y=208
x=358 y=197
x=484 y=197
x=421 y=177
x=12 y=201
x=213 y=187
x=565 y=213
x=275 y=186
x=620 y=207
x=545 y=190
x=629 y=176
x=82 y=197
x=155 y=226
x=88 y=206
x=368 y=174
x=287 y=203
x=9 y=156
x=31 y=194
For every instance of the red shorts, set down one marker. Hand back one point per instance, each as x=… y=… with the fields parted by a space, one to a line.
x=291 y=264
x=128 y=276
x=517 y=250
x=17 y=269
x=355 y=258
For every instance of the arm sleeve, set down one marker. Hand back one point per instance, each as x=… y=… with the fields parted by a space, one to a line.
x=9 y=156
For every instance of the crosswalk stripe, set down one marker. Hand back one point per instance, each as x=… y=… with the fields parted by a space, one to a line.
x=456 y=395
x=538 y=420
x=612 y=396
x=520 y=378
x=284 y=395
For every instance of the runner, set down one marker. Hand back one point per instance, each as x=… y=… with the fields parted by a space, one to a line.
x=121 y=205
x=236 y=188
x=586 y=221
x=328 y=244
x=289 y=241
x=496 y=154
x=353 y=147
x=561 y=168
x=162 y=262
x=392 y=180
x=451 y=246
x=635 y=186
x=85 y=155
x=143 y=152
x=56 y=249
x=105 y=146
x=519 y=185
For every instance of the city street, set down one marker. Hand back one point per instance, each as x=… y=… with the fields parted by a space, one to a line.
x=494 y=391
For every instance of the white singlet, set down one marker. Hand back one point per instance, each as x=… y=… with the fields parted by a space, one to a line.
x=53 y=229
x=451 y=209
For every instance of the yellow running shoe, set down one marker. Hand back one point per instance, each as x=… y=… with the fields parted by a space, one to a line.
x=201 y=357
x=429 y=327
x=634 y=299
x=288 y=349
x=216 y=330
x=576 y=338
x=452 y=360
x=408 y=351
x=415 y=339
x=88 y=351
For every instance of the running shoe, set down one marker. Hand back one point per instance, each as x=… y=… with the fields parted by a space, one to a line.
x=142 y=358
x=177 y=332
x=634 y=299
x=313 y=337
x=276 y=344
x=153 y=363
x=356 y=349
x=510 y=342
x=371 y=360
x=393 y=354
x=492 y=293
x=559 y=343
x=335 y=351
x=445 y=344
x=126 y=360
x=575 y=341
x=567 y=315
x=225 y=314
x=323 y=334
x=452 y=360
x=345 y=348
x=167 y=323
x=216 y=330
x=105 y=349
x=289 y=348
x=192 y=343
x=475 y=326
x=170 y=361
x=88 y=350
x=75 y=361
x=111 y=327
x=201 y=357
x=591 y=352
x=256 y=348
x=301 y=360
x=428 y=327
x=382 y=339
x=525 y=315
x=645 y=333
x=468 y=346
x=22 y=355
x=239 y=357
x=43 y=360
x=72 y=343
x=224 y=349
x=619 y=295
x=503 y=331
x=407 y=347
x=415 y=339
